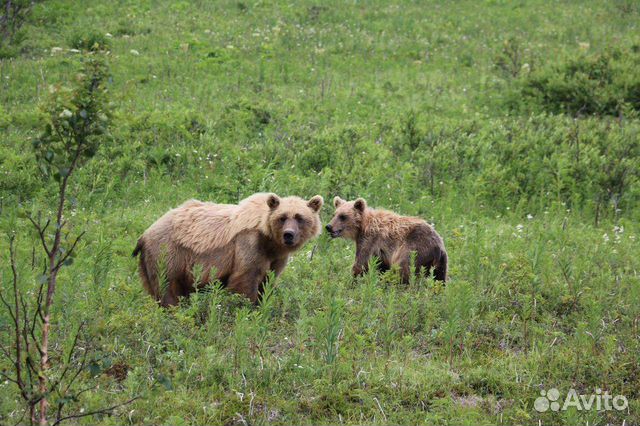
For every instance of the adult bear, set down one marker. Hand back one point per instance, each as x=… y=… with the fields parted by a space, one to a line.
x=242 y=242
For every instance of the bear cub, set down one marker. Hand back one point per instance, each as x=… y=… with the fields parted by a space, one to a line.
x=390 y=237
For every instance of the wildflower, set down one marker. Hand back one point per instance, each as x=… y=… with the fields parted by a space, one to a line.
x=134 y=52
x=530 y=216
x=605 y=237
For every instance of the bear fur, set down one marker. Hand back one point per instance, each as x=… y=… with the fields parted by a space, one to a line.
x=242 y=242
x=390 y=237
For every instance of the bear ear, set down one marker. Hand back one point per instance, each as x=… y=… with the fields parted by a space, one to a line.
x=360 y=204
x=315 y=203
x=273 y=201
x=337 y=201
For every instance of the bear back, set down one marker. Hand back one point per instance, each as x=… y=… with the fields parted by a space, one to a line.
x=203 y=226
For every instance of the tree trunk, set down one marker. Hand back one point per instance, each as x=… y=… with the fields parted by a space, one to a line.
x=51 y=288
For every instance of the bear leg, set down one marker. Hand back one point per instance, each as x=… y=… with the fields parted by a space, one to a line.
x=168 y=299
x=440 y=271
x=247 y=283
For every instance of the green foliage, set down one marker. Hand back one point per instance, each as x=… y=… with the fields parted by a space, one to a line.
x=90 y=41
x=602 y=84
x=13 y=15
x=458 y=310
x=404 y=106
x=76 y=120
x=329 y=327
x=513 y=59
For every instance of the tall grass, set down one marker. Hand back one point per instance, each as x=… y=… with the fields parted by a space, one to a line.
x=426 y=109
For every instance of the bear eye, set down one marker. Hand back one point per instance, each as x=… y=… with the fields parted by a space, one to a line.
x=342 y=217
x=299 y=218
x=283 y=219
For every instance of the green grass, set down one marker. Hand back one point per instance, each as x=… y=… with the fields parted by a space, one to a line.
x=403 y=104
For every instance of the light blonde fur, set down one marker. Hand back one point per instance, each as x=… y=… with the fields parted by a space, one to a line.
x=202 y=226
x=241 y=243
x=387 y=223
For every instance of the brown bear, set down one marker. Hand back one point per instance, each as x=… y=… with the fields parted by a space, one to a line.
x=390 y=237
x=242 y=242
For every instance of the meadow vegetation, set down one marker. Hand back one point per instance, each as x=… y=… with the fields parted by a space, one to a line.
x=513 y=127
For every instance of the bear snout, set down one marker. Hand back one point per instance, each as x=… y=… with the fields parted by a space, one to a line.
x=288 y=237
x=334 y=233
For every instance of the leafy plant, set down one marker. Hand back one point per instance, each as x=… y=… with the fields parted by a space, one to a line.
x=329 y=327
x=458 y=309
x=90 y=41
x=599 y=84
x=13 y=15
x=513 y=58
x=75 y=121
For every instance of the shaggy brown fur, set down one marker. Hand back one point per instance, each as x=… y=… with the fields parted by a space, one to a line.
x=242 y=242
x=390 y=237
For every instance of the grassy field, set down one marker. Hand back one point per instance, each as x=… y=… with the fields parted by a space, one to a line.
x=513 y=127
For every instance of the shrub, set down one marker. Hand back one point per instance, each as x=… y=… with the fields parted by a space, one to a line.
x=90 y=40
x=513 y=58
x=597 y=84
x=13 y=15
x=74 y=115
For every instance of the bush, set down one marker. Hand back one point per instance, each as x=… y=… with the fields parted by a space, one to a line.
x=13 y=15
x=598 y=84
x=91 y=40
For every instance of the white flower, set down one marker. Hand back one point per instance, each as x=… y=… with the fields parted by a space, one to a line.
x=519 y=227
x=605 y=237
x=56 y=50
x=529 y=216
x=108 y=35
x=66 y=113
x=74 y=50
x=134 y=52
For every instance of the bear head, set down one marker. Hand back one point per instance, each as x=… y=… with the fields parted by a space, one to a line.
x=293 y=221
x=347 y=221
